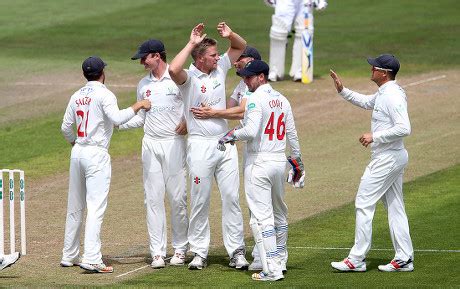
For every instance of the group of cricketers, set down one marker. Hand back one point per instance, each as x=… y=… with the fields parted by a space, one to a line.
x=184 y=115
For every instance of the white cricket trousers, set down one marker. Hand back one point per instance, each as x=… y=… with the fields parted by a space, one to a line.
x=383 y=180
x=164 y=171
x=264 y=178
x=206 y=162
x=89 y=182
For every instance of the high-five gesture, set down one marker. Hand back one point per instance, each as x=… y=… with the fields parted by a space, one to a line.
x=197 y=34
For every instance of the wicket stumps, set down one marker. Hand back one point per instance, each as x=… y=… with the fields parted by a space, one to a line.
x=22 y=197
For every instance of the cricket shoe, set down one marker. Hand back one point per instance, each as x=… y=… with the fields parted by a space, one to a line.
x=398 y=266
x=238 y=261
x=8 y=260
x=256 y=265
x=297 y=77
x=273 y=76
x=96 y=268
x=158 y=262
x=197 y=263
x=262 y=276
x=178 y=259
x=347 y=265
x=71 y=263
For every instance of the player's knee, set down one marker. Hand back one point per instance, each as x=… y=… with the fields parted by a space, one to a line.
x=279 y=29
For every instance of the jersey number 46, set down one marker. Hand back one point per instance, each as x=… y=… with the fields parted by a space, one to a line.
x=280 y=127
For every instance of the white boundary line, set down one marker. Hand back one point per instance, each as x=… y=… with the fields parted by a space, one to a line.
x=377 y=249
x=425 y=80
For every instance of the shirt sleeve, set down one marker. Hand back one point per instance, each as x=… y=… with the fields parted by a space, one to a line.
x=139 y=119
x=291 y=134
x=111 y=110
x=252 y=122
x=67 y=123
x=358 y=99
x=396 y=106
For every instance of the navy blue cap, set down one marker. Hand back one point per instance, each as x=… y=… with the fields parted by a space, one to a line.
x=386 y=62
x=254 y=67
x=251 y=52
x=93 y=65
x=149 y=46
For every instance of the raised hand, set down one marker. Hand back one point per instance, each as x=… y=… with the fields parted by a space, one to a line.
x=197 y=34
x=224 y=30
x=337 y=82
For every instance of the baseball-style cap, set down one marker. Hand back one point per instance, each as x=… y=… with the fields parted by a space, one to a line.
x=93 y=65
x=251 y=52
x=149 y=46
x=254 y=67
x=385 y=62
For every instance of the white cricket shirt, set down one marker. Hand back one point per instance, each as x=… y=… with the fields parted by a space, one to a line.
x=167 y=107
x=268 y=122
x=94 y=111
x=390 y=120
x=208 y=89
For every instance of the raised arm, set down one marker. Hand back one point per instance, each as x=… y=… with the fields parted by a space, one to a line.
x=358 y=99
x=237 y=43
x=176 y=67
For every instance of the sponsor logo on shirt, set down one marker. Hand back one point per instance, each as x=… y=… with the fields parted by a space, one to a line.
x=162 y=108
x=214 y=102
x=251 y=105
x=215 y=84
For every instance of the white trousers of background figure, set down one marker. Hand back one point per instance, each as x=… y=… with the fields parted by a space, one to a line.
x=206 y=162
x=383 y=180
x=264 y=178
x=89 y=182
x=163 y=161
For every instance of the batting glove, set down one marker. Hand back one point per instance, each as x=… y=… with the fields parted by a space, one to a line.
x=229 y=137
x=296 y=175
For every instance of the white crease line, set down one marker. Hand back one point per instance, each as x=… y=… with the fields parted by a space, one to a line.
x=124 y=274
x=424 y=81
x=140 y=268
x=340 y=248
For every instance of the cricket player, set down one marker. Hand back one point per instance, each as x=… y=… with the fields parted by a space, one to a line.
x=204 y=84
x=9 y=260
x=94 y=111
x=163 y=154
x=383 y=177
x=288 y=14
x=236 y=106
x=268 y=122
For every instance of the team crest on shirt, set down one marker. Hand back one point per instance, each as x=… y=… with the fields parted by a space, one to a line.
x=196 y=180
x=171 y=92
x=203 y=89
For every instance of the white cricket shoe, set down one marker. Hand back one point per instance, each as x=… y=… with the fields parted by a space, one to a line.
x=96 y=268
x=398 y=266
x=348 y=265
x=256 y=265
x=9 y=260
x=262 y=276
x=297 y=76
x=239 y=262
x=69 y=263
x=197 y=263
x=178 y=259
x=158 y=262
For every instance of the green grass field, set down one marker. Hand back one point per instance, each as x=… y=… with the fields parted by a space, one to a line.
x=43 y=43
x=432 y=206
